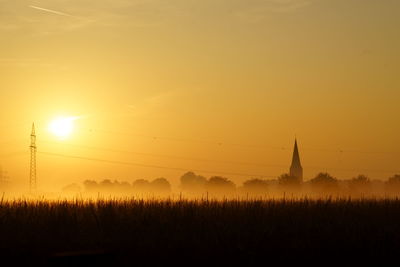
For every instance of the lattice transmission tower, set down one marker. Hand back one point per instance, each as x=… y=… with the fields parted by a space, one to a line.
x=32 y=177
x=1 y=175
x=4 y=179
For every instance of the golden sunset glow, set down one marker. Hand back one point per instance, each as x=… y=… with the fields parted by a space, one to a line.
x=170 y=83
x=62 y=127
x=199 y=132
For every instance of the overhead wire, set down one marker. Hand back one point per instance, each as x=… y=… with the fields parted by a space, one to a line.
x=222 y=161
x=194 y=158
x=171 y=156
x=151 y=166
x=220 y=143
x=13 y=154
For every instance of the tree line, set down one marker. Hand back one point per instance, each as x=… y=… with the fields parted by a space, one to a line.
x=193 y=184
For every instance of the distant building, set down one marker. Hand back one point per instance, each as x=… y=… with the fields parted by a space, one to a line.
x=296 y=171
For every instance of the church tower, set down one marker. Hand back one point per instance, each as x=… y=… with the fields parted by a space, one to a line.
x=295 y=169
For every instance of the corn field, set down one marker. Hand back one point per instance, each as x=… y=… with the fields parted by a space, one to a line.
x=126 y=232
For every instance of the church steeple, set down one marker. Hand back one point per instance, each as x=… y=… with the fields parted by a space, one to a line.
x=295 y=169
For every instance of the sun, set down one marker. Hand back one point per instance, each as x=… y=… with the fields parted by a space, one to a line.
x=62 y=127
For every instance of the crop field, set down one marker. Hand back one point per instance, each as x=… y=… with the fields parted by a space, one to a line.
x=128 y=232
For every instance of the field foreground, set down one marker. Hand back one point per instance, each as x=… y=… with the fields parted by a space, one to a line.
x=141 y=232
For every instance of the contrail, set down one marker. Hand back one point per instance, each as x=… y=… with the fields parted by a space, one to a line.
x=52 y=11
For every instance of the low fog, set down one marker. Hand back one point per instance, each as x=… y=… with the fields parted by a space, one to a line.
x=193 y=186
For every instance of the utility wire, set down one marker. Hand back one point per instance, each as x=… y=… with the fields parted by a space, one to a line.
x=8 y=155
x=220 y=143
x=170 y=156
x=218 y=161
x=152 y=166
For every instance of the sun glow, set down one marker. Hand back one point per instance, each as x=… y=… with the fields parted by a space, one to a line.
x=62 y=127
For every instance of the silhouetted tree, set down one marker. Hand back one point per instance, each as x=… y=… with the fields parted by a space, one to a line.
x=289 y=184
x=394 y=180
x=255 y=186
x=106 y=185
x=287 y=179
x=324 y=182
x=71 y=188
x=220 y=186
x=141 y=186
x=113 y=187
x=192 y=183
x=122 y=187
x=360 y=184
x=393 y=184
x=90 y=186
x=360 y=179
x=323 y=178
x=160 y=185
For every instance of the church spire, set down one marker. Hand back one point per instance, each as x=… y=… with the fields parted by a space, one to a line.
x=295 y=169
x=296 y=157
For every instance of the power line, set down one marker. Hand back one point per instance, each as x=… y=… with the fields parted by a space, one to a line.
x=154 y=166
x=9 y=155
x=219 y=161
x=11 y=141
x=220 y=143
x=189 y=140
x=184 y=169
x=171 y=156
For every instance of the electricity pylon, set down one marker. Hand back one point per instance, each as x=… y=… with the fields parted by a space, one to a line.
x=32 y=177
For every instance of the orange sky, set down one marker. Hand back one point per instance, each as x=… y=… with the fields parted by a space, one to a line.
x=218 y=86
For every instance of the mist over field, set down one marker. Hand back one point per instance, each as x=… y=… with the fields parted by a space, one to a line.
x=193 y=186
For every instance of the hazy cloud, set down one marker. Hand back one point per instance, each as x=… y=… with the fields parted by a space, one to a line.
x=51 y=11
x=132 y=13
x=257 y=10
